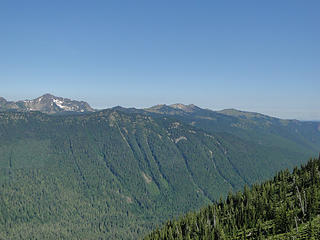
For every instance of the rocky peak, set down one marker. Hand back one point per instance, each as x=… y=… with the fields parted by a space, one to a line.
x=186 y=108
x=173 y=109
x=51 y=104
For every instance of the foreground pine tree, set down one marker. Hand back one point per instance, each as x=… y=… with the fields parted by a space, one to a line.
x=286 y=207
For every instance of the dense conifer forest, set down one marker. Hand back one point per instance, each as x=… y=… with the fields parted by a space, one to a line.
x=159 y=120
x=286 y=207
x=119 y=173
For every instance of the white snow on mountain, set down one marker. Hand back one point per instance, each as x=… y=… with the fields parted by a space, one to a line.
x=60 y=103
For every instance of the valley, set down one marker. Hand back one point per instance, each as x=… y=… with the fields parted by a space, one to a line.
x=118 y=173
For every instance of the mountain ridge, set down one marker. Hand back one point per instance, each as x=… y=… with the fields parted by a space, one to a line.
x=84 y=107
x=47 y=103
x=117 y=173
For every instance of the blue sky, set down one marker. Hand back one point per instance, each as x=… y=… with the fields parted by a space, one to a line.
x=261 y=56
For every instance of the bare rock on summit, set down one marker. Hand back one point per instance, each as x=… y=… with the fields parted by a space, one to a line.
x=47 y=104
x=173 y=109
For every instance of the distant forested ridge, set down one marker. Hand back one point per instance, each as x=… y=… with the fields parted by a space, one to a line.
x=286 y=207
x=118 y=173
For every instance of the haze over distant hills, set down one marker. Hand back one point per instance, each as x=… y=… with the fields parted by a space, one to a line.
x=51 y=104
x=116 y=173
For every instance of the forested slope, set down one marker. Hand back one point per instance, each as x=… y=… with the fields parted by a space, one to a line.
x=114 y=174
x=261 y=129
x=286 y=207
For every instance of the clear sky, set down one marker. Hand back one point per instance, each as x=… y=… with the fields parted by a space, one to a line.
x=261 y=56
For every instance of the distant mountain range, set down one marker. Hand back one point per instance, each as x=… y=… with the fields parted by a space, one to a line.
x=119 y=172
x=47 y=104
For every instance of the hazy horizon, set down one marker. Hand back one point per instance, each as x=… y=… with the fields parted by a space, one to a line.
x=253 y=56
x=169 y=103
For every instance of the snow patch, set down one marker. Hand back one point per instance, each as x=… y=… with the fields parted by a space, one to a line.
x=60 y=103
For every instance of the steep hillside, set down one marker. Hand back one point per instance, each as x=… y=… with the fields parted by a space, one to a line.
x=116 y=174
x=253 y=127
x=287 y=207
